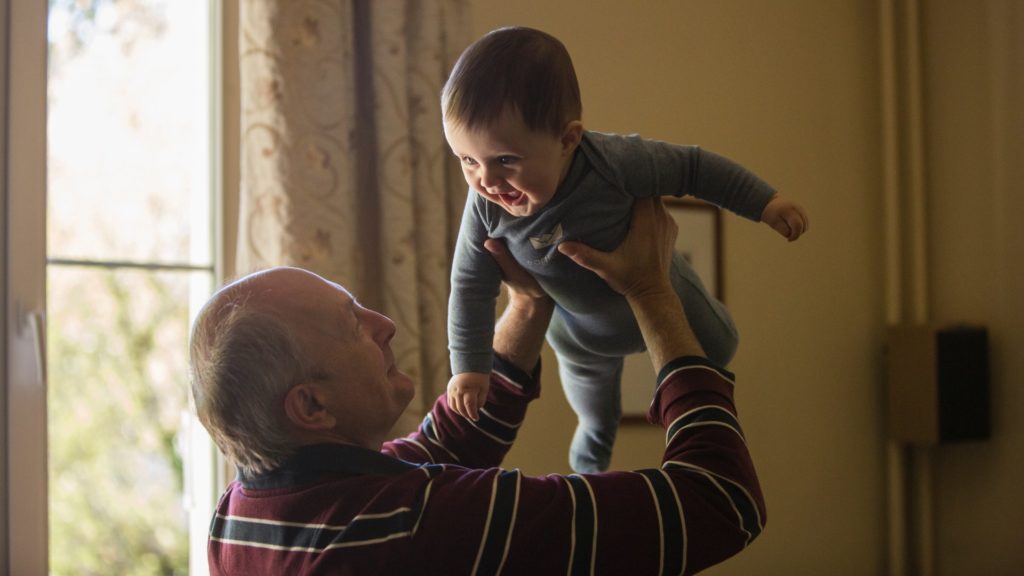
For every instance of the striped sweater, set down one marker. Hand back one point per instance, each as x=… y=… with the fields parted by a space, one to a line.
x=435 y=502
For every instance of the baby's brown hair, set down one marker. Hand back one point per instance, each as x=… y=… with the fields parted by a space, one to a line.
x=515 y=68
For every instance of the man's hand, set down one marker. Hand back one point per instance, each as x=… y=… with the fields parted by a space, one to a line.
x=519 y=333
x=642 y=261
x=639 y=270
x=519 y=281
x=467 y=393
x=786 y=217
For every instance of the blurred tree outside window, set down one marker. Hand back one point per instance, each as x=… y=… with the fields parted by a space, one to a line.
x=129 y=249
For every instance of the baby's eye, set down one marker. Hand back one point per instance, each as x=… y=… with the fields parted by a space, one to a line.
x=507 y=160
x=468 y=161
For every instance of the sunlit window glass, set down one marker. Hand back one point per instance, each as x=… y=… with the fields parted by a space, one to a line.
x=128 y=210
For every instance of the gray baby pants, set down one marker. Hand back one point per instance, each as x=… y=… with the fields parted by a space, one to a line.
x=590 y=355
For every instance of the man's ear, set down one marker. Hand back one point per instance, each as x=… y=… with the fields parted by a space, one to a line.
x=304 y=408
x=571 y=136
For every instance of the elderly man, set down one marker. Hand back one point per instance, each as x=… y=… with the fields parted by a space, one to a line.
x=297 y=384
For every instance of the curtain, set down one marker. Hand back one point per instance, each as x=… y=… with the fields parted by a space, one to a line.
x=345 y=170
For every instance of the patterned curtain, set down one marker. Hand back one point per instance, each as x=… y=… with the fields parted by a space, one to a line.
x=345 y=170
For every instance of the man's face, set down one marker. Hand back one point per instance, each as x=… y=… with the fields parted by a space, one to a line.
x=349 y=347
x=510 y=165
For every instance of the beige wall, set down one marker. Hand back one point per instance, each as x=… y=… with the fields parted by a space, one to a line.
x=791 y=90
x=974 y=108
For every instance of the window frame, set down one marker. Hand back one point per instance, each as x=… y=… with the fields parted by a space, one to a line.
x=23 y=261
x=26 y=548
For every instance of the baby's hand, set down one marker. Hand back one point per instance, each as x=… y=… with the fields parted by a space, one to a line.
x=786 y=217
x=467 y=393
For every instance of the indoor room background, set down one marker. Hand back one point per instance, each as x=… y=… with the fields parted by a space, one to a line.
x=899 y=126
x=820 y=99
x=798 y=92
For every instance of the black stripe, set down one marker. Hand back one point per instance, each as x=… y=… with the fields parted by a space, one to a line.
x=316 y=538
x=497 y=429
x=217 y=521
x=748 y=512
x=501 y=522
x=432 y=470
x=239 y=530
x=516 y=374
x=363 y=529
x=583 y=521
x=684 y=361
x=671 y=522
x=706 y=414
x=428 y=426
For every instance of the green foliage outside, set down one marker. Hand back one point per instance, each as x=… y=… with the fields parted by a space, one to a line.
x=116 y=395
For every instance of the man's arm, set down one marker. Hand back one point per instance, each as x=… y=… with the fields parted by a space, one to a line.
x=700 y=507
x=444 y=436
x=519 y=334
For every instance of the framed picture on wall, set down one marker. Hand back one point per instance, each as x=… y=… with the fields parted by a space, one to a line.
x=700 y=242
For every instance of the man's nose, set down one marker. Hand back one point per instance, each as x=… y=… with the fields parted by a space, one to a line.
x=384 y=327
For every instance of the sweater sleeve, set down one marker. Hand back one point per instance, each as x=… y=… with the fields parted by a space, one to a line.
x=652 y=167
x=476 y=282
x=723 y=182
x=700 y=507
x=445 y=437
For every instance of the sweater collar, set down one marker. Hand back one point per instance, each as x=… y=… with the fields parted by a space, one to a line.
x=310 y=463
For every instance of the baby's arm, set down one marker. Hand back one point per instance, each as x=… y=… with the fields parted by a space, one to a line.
x=518 y=337
x=726 y=183
x=786 y=217
x=476 y=281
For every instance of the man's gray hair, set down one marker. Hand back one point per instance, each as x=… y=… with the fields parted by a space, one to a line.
x=243 y=361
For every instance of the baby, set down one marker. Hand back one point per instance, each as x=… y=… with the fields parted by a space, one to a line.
x=512 y=115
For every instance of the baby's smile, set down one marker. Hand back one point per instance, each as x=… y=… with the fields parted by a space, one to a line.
x=511 y=198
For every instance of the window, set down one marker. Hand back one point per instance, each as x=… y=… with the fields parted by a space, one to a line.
x=131 y=183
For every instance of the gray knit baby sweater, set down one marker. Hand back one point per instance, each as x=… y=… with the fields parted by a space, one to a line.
x=593 y=204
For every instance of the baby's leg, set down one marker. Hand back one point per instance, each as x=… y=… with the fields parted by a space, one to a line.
x=592 y=384
x=709 y=319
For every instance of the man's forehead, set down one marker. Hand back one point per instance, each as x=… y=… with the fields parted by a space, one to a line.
x=294 y=290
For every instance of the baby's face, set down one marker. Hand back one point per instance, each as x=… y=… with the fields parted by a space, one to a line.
x=510 y=165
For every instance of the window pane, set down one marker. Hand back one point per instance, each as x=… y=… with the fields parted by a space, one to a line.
x=127 y=128
x=117 y=390
x=128 y=181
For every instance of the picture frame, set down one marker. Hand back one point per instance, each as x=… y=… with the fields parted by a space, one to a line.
x=700 y=242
